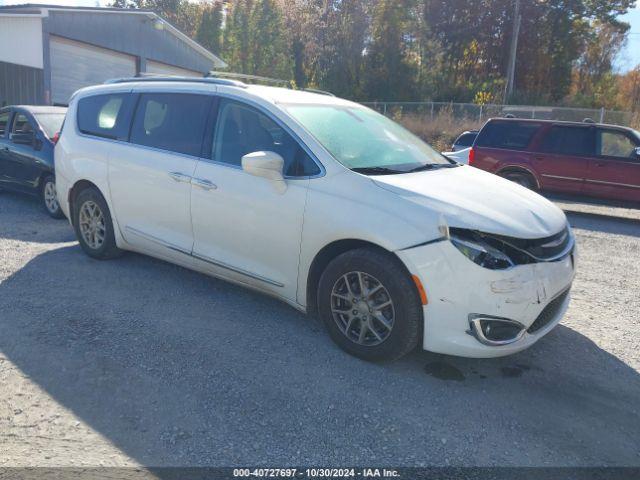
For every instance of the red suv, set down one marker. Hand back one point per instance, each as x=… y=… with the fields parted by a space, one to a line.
x=581 y=158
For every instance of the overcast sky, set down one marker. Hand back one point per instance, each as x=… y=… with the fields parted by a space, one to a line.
x=628 y=59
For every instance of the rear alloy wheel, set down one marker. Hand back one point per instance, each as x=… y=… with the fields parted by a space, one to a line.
x=523 y=179
x=49 y=198
x=369 y=305
x=93 y=225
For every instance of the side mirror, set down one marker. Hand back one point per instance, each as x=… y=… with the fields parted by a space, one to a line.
x=23 y=138
x=269 y=165
x=636 y=152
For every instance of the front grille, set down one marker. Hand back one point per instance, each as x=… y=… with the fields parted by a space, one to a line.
x=549 y=312
x=542 y=249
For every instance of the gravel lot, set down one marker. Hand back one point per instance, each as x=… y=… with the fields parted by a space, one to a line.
x=138 y=362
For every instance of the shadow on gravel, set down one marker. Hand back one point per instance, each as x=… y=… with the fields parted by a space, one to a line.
x=597 y=223
x=179 y=369
x=23 y=218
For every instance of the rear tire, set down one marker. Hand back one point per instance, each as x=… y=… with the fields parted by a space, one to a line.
x=521 y=178
x=93 y=225
x=387 y=307
x=48 y=197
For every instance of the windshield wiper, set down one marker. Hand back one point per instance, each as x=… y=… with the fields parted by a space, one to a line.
x=376 y=170
x=432 y=166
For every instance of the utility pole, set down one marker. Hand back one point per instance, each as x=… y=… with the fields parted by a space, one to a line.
x=511 y=68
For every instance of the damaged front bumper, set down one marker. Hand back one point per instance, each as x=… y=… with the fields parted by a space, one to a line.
x=534 y=296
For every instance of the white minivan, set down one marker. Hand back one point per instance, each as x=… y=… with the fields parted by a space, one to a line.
x=320 y=202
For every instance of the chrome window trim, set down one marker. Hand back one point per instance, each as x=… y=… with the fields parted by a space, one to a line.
x=214 y=94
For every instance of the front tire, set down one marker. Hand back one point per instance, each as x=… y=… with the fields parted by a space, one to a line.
x=93 y=225
x=369 y=305
x=49 y=198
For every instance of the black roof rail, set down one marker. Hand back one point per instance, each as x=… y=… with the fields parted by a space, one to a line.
x=214 y=78
x=206 y=80
x=244 y=76
x=267 y=80
x=315 y=90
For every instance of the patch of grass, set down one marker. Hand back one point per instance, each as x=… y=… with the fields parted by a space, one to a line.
x=439 y=131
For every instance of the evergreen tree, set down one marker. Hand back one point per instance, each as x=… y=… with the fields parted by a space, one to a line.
x=389 y=73
x=269 y=52
x=237 y=37
x=209 y=33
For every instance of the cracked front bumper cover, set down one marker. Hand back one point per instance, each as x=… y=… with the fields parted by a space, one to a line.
x=456 y=288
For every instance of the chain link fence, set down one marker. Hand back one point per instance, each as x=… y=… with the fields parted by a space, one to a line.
x=480 y=113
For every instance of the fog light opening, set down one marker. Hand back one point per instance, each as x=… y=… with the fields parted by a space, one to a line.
x=495 y=331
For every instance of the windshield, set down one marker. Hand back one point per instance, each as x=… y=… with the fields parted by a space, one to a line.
x=364 y=140
x=50 y=122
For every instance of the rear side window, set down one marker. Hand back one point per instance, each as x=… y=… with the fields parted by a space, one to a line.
x=466 y=139
x=563 y=140
x=507 y=135
x=613 y=143
x=171 y=121
x=105 y=115
x=4 y=120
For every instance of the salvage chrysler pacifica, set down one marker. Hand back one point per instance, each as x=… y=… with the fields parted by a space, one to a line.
x=320 y=202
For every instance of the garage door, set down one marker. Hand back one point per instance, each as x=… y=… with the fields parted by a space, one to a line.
x=164 y=69
x=75 y=65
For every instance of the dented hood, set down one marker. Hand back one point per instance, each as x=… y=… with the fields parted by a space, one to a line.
x=470 y=198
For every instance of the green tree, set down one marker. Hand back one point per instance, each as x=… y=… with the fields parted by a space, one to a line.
x=237 y=36
x=209 y=32
x=389 y=73
x=269 y=51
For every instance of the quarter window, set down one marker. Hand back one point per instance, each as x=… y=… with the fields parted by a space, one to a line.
x=615 y=144
x=174 y=122
x=568 y=141
x=242 y=129
x=4 y=120
x=510 y=135
x=105 y=115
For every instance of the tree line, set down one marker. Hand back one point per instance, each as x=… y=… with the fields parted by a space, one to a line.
x=415 y=50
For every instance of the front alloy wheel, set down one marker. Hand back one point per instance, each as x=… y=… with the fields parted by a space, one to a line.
x=362 y=308
x=370 y=305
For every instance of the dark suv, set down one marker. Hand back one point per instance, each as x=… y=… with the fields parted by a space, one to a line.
x=579 y=158
x=27 y=138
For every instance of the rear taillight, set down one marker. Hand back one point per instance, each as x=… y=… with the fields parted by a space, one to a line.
x=55 y=138
x=472 y=156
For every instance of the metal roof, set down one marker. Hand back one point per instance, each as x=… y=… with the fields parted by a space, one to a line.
x=41 y=8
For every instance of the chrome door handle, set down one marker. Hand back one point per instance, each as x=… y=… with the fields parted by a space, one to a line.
x=180 y=177
x=203 y=183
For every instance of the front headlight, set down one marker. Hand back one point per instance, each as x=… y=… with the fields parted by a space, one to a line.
x=482 y=254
